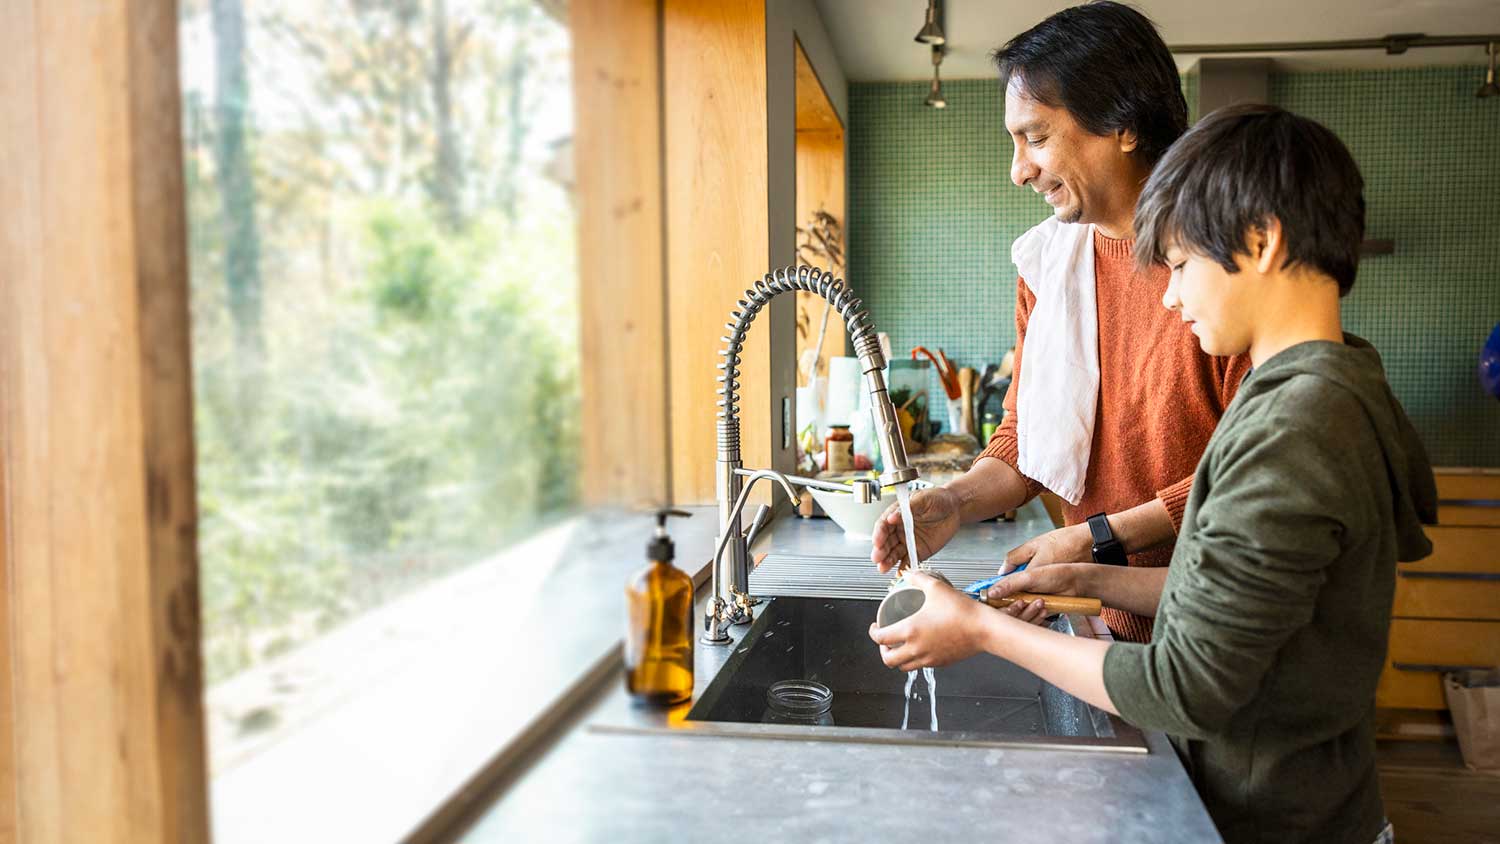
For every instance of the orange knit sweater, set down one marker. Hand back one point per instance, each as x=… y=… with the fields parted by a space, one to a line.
x=1159 y=400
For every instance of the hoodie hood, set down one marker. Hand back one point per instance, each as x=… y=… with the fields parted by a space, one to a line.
x=1355 y=367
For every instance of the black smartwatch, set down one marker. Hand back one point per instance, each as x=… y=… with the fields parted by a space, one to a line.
x=1107 y=549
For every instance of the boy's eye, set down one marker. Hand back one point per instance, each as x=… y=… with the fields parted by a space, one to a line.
x=1035 y=142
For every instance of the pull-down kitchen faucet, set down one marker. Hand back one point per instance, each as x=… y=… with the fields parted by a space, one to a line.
x=734 y=605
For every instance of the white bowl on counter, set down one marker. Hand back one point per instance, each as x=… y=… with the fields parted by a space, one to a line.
x=858 y=520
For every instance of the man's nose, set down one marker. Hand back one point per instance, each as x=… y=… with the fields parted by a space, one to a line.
x=1021 y=168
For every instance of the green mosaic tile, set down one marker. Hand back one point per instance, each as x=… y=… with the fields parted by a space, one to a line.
x=933 y=214
x=1427 y=148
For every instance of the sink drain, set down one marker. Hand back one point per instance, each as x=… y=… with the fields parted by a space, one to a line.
x=799 y=702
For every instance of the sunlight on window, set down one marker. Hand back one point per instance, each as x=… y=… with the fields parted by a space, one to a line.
x=382 y=245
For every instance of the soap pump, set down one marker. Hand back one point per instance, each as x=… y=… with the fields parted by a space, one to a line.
x=659 y=626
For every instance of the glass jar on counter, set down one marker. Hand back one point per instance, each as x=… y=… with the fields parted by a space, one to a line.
x=804 y=702
x=839 y=448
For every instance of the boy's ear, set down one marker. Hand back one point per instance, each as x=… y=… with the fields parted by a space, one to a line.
x=1266 y=245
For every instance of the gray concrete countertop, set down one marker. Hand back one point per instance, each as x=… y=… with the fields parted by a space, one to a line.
x=597 y=783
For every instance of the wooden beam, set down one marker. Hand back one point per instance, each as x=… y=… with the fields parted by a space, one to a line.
x=718 y=240
x=623 y=337
x=96 y=427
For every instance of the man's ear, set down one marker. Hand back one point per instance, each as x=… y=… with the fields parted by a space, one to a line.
x=1266 y=245
x=1128 y=140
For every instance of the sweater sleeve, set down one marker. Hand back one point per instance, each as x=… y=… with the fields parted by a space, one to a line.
x=1003 y=445
x=1246 y=580
x=1175 y=499
x=1228 y=373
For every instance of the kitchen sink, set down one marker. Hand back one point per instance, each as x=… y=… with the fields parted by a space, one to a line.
x=824 y=642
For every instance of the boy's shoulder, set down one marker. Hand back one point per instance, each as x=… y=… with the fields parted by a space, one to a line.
x=1303 y=401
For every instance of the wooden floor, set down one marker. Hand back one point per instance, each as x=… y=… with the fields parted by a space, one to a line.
x=1432 y=798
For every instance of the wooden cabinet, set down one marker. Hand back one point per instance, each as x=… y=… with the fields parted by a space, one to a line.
x=1447 y=607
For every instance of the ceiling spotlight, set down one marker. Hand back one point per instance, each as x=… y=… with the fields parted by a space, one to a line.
x=1489 y=88
x=931 y=33
x=935 y=94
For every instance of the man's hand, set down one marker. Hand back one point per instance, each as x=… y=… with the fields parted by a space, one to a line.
x=1072 y=544
x=935 y=513
x=1062 y=579
x=948 y=628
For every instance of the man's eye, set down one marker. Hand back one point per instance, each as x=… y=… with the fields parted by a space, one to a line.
x=1035 y=142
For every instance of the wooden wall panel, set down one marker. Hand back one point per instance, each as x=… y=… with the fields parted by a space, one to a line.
x=96 y=426
x=1468 y=484
x=7 y=704
x=820 y=186
x=718 y=231
x=617 y=151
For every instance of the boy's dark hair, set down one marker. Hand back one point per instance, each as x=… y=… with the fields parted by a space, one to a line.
x=1242 y=165
x=1106 y=64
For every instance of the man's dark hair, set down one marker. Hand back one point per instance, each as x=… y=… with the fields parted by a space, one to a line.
x=1239 y=167
x=1105 y=63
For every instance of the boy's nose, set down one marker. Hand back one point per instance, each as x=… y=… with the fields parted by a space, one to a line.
x=1169 y=299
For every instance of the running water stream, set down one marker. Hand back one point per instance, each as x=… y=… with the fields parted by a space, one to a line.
x=903 y=498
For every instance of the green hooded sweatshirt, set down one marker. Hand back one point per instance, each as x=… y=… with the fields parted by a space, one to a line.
x=1271 y=631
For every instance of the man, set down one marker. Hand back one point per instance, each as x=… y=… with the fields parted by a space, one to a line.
x=1112 y=401
x=1272 y=620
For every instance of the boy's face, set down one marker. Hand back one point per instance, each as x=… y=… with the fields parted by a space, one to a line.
x=1216 y=304
x=1083 y=176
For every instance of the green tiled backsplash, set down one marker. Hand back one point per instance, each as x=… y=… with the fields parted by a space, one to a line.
x=933 y=214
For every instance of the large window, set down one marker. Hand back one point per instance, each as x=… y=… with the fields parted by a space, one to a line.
x=384 y=319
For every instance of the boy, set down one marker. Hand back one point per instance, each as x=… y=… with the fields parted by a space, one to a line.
x=1271 y=622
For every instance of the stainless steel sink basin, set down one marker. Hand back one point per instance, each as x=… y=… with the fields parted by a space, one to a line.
x=983 y=700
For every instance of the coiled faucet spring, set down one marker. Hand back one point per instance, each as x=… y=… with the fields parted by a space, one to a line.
x=784 y=280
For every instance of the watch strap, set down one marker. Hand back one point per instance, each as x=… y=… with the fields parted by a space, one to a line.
x=1107 y=548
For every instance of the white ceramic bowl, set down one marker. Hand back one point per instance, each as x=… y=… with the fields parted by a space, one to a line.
x=858 y=520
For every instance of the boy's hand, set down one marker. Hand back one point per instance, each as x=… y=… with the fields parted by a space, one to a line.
x=935 y=514
x=1071 y=544
x=1062 y=579
x=948 y=628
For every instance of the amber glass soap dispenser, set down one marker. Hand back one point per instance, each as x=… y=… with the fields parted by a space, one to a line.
x=659 y=628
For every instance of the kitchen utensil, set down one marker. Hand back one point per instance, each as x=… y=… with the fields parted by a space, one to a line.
x=966 y=378
x=946 y=373
x=905 y=598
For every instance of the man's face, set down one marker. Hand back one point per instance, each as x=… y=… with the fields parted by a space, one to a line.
x=1086 y=178
x=1216 y=304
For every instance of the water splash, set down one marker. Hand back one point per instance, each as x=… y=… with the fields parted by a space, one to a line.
x=911 y=679
x=930 y=675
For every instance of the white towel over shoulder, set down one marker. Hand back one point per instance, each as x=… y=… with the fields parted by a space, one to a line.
x=1059 y=391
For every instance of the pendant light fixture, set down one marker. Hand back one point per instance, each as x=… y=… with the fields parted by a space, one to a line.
x=935 y=94
x=931 y=33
